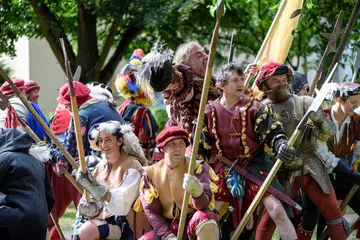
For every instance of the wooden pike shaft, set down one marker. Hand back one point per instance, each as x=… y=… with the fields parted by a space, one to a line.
x=318 y=73
x=39 y=119
x=77 y=124
x=57 y=226
x=200 y=118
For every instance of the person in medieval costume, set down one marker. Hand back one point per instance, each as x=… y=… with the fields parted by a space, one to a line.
x=342 y=160
x=26 y=197
x=91 y=111
x=134 y=109
x=9 y=119
x=162 y=189
x=113 y=184
x=238 y=127
x=182 y=94
x=312 y=177
x=32 y=91
x=299 y=85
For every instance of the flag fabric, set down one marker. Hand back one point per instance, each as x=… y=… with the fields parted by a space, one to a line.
x=279 y=38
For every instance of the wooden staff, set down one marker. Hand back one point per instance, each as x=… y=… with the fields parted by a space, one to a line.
x=76 y=118
x=200 y=118
x=39 y=119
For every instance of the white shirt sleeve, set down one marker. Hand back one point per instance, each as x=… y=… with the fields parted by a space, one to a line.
x=124 y=196
x=328 y=158
x=20 y=108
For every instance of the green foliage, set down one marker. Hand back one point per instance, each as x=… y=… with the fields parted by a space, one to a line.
x=160 y=116
x=9 y=71
x=139 y=23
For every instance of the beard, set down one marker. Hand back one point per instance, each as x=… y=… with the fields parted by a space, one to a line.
x=278 y=94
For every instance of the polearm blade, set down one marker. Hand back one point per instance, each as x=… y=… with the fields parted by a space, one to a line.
x=346 y=35
x=330 y=47
x=76 y=118
x=313 y=107
x=356 y=65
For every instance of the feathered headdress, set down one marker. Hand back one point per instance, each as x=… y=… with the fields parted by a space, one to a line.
x=155 y=72
x=131 y=145
x=126 y=81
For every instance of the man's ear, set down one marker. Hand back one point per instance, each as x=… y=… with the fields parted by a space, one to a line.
x=220 y=84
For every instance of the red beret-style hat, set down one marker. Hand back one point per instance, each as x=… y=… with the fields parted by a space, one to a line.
x=60 y=121
x=82 y=93
x=6 y=89
x=171 y=133
x=31 y=85
x=271 y=69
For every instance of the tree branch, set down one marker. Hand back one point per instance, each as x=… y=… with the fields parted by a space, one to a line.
x=52 y=30
x=88 y=53
x=109 y=41
x=130 y=34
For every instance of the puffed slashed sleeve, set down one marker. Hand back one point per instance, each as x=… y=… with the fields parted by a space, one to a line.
x=123 y=197
x=152 y=207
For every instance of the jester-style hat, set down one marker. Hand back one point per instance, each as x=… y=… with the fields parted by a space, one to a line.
x=127 y=82
x=131 y=145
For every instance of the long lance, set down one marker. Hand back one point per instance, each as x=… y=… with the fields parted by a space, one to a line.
x=76 y=118
x=200 y=118
x=39 y=119
x=232 y=49
x=4 y=102
x=345 y=37
x=313 y=108
x=356 y=65
x=331 y=47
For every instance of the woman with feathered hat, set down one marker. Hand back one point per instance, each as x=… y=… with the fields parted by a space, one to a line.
x=114 y=183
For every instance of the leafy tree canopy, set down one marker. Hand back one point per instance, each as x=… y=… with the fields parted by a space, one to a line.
x=91 y=28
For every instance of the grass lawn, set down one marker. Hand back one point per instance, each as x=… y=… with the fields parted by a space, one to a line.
x=67 y=221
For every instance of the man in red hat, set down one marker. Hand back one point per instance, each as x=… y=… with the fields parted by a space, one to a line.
x=162 y=189
x=312 y=177
x=32 y=91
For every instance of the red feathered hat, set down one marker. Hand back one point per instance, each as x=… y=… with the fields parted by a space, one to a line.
x=171 y=133
x=271 y=69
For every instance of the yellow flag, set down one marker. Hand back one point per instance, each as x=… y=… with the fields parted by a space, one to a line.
x=279 y=38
